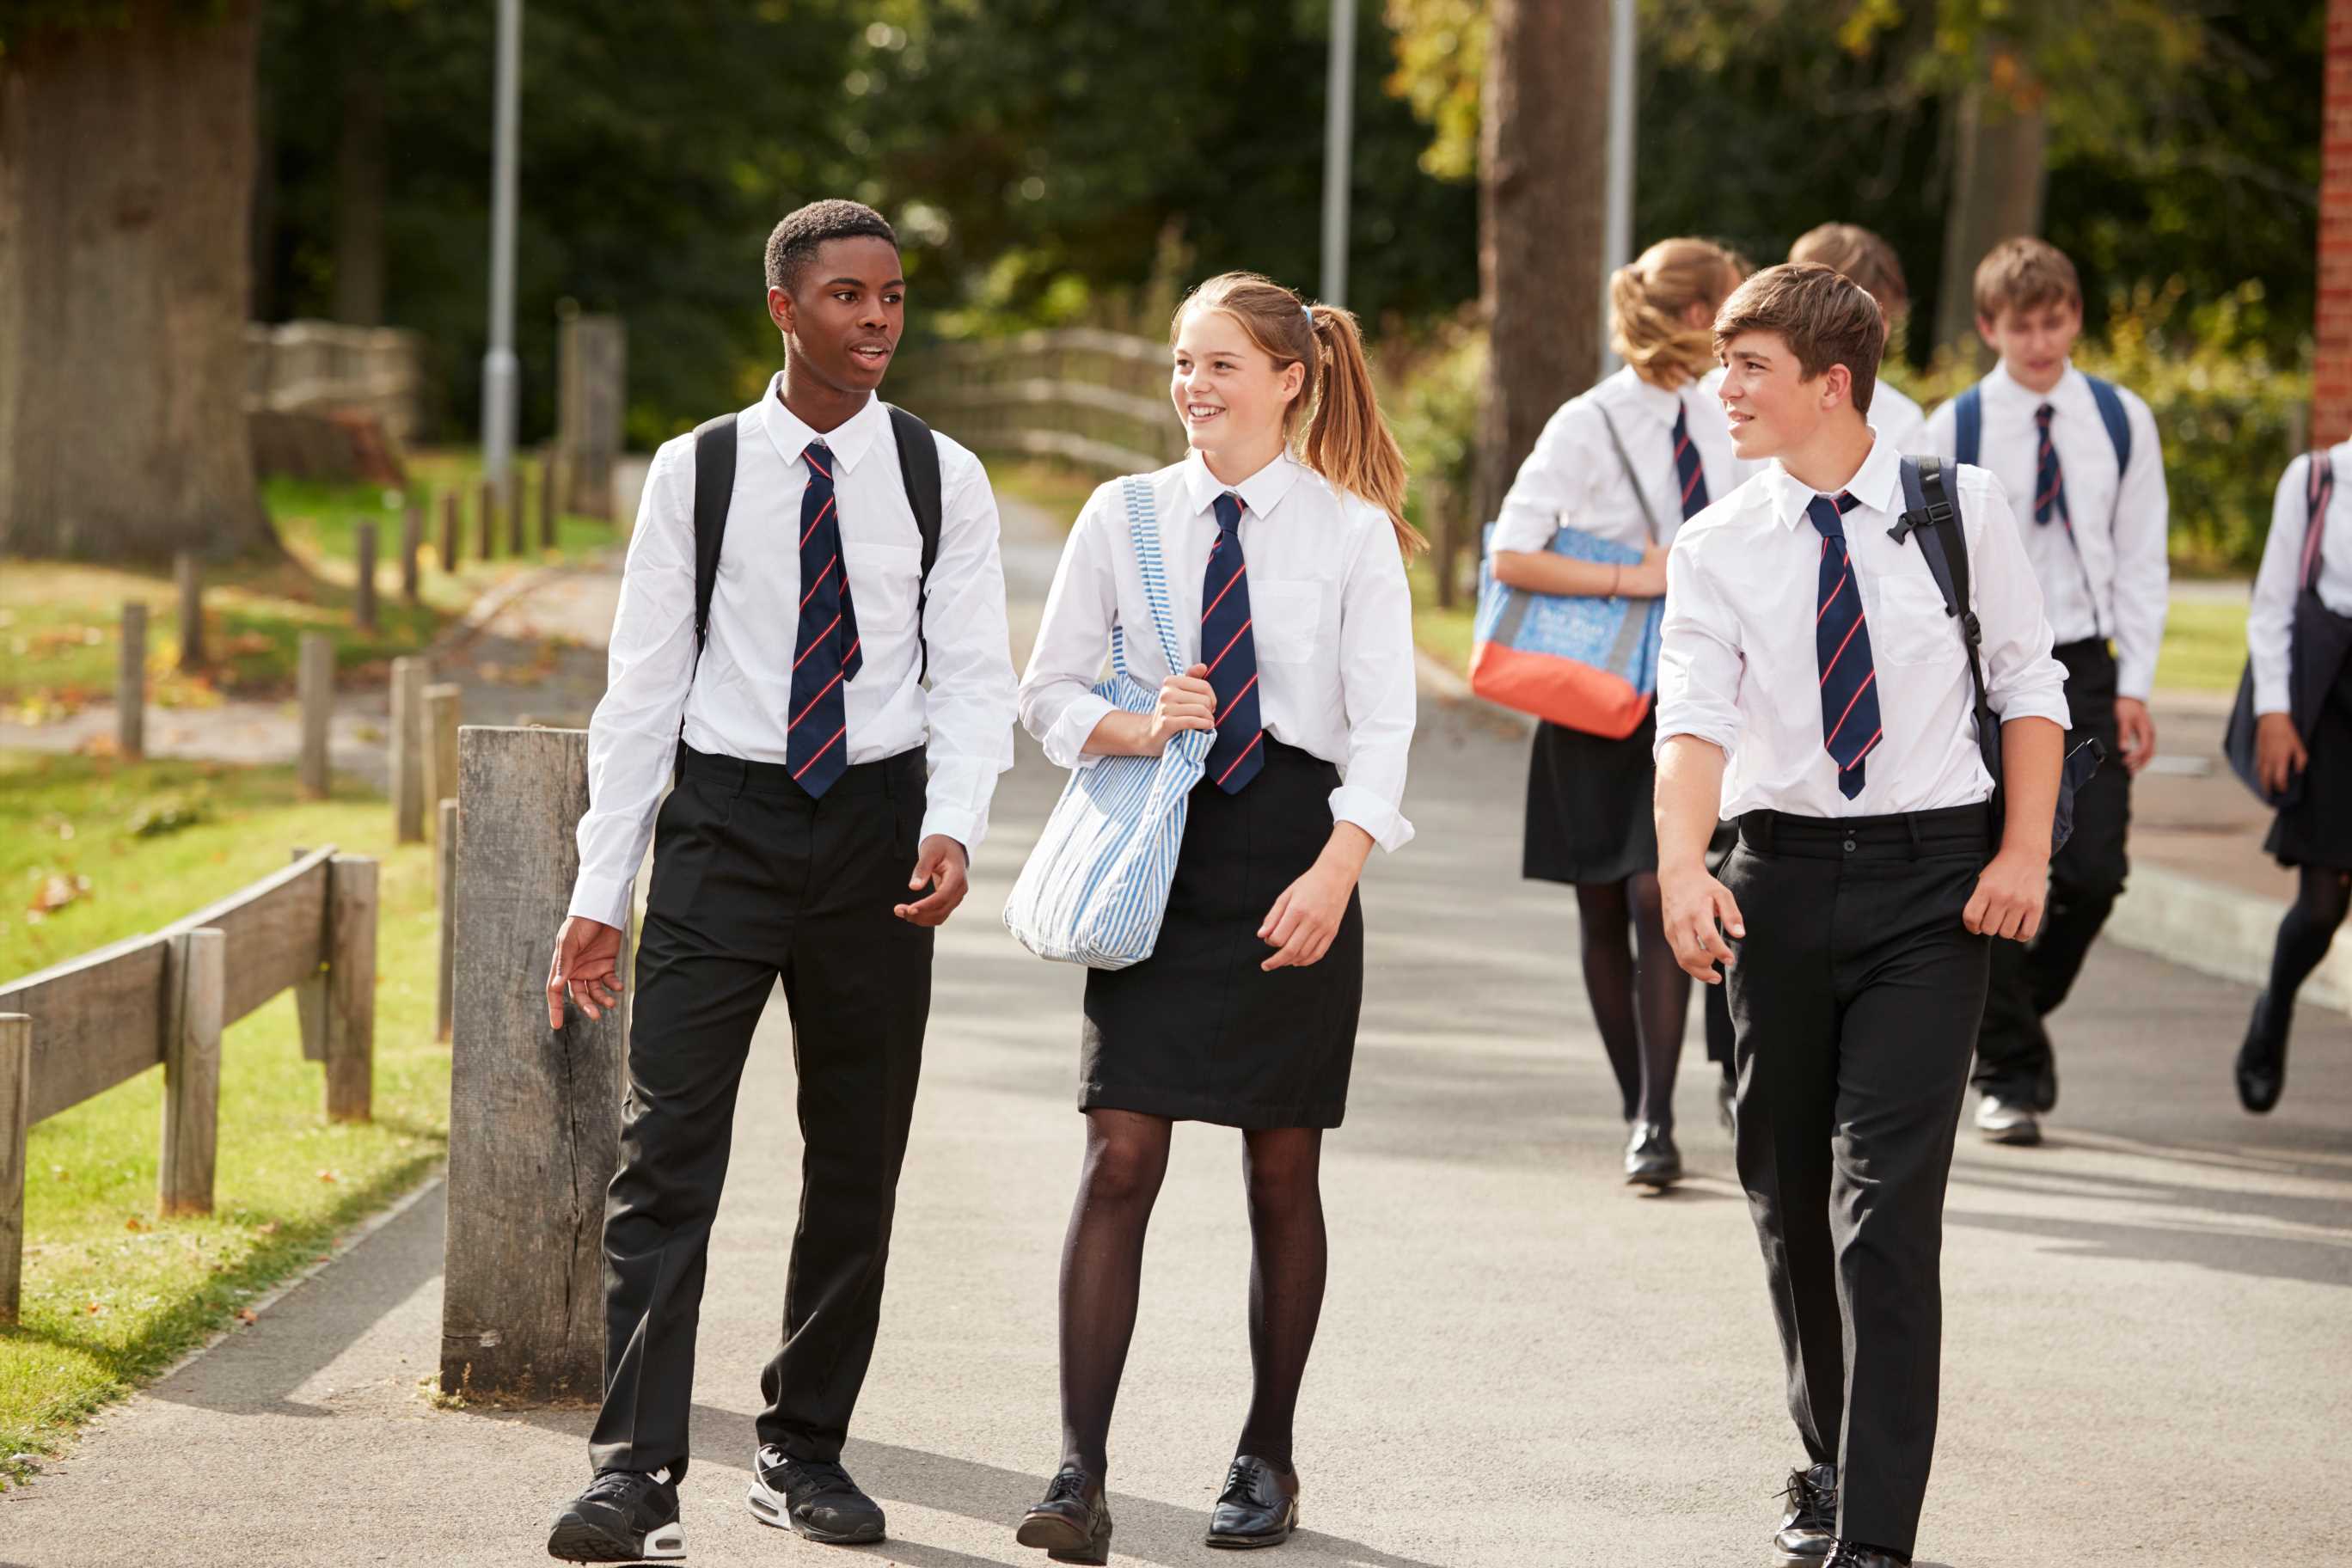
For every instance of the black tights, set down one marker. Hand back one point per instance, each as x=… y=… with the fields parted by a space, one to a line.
x=2304 y=936
x=1638 y=994
x=1102 y=1276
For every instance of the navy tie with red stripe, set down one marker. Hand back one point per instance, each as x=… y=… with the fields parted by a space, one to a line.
x=824 y=654
x=1850 y=727
x=2049 y=483
x=1688 y=472
x=1231 y=653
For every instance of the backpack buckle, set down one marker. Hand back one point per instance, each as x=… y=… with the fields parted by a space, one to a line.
x=1928 y=516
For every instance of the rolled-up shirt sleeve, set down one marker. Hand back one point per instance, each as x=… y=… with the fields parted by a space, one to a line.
x=1699 y=663
x=633 y=735
x=970 y=705
x=1377 y=680
x=2270 y=619
x=1057 y=701
x=2022 y=679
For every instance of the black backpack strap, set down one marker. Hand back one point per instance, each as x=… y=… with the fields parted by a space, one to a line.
x=714 y=488
x=919 y=467
x=1928 y=513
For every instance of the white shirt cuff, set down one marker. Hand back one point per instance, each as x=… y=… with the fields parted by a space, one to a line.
x=1065 y=741
x=1720 y=736
x=2136 y=679
x=604 y=899
x=2271 y=695
x=2050 y=705
x=1385 y=823
x=967 y=827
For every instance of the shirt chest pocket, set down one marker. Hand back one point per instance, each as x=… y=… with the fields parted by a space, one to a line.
x=1907 y=623
x=884 y=580
x=1285 y=620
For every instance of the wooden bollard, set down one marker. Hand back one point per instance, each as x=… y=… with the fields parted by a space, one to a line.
x=196 y=977
x=517 y=513
x=314 y=682
x=412 y=540
x=548 y=491
x=486 y=503
x=533 y=1137
x=442 y=707
x=130 y=684
x=409 y=741
x=363 y=555
x=453 y=529
x=351 y=989
x=16 y=1121
x=445 y=898
x=187 y=576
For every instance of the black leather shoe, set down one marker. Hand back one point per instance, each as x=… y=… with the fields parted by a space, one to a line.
x=812 y=1499
x=625 y=1516
x=1651 y=1158
x=1259 y=1506
x=1809 y=1529
x=2262 y=1061
x=1072 y=1524
x=1854 y=1554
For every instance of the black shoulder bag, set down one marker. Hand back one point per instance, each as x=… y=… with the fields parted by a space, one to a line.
x=2317 y=645
x=1929 y=513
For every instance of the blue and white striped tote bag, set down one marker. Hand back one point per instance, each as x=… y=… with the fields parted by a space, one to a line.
x=1096 y=887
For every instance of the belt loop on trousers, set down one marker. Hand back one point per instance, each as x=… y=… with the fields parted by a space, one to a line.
x=1911 y=821
x=739 y=774
x=1756 y=826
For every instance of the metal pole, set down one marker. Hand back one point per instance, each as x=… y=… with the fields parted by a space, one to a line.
x=1338 y=130
x=499 y=365
x=1617 y=224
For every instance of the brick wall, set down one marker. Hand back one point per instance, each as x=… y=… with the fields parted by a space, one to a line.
x=2331 y=411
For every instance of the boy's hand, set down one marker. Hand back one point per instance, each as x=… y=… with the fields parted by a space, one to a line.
x=2134 y=733
x=942 y=860
x=586 y=967
x=1694 y=903
x=2008 y=897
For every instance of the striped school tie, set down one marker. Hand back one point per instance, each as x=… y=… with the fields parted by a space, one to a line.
x=1231 y=653
x=2049 y=483
x=824 y=654
x=1850 y=727
x=1692 y=476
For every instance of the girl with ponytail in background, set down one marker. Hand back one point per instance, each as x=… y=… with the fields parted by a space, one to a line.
x=1282 y=540
x=1629 y=461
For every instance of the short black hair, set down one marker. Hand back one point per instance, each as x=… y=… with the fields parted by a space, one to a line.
x=792 y=244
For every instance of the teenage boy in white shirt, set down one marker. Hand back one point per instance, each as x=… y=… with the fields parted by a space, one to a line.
x=2085 y=474
x=1811 y=687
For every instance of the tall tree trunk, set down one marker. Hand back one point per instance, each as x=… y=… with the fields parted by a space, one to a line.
x=126 y=168
x=359 y=198
x=1543 y=168
x=2000 y=171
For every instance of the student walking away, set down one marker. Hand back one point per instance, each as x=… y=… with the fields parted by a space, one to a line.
x=1812 y=687
x=1279 y=543
x=1626 y=462
x=1867 y=259
x=2079 y=460
x=2298 y=633
x=798 y=569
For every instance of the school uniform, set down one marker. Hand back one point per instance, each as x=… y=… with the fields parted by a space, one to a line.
x=2096 y=539
x=1861 y=800
x=1896 y=414
x=2317 y=830
x=810 y=767
x=1322 y=620
x=1588 y=810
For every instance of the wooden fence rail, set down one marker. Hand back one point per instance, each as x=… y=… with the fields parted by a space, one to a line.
x=109 y=1015
x=1094 y=398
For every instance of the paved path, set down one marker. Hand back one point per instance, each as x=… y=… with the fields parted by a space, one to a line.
x=2147 y=1354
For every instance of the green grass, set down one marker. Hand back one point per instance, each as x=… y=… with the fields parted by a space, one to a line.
x=60 y=623
x=113 y=1294
x=2204 y=645
x=1059 y=491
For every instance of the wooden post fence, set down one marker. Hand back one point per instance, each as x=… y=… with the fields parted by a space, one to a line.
x=534 y=1129
x=336 y=1004
x=442 y=706
x=517 y=509
x=363 y=602
x=196 y=977
x=130 y=684
x=412 y=540
x=15 y=1120
x=445 y=898
x=408 y=743
x=551 y=468
x=314 y=682
x=486 y=503
x=187 y=577
x=453 y=530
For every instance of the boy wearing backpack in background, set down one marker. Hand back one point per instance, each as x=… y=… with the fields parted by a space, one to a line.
x=2080 y=461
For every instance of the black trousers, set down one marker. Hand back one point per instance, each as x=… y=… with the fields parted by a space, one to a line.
x=1856 y=999
x=2014 y=1059
x=755 y=880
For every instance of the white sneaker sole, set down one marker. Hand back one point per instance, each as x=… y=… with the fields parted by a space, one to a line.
x=769 y=1508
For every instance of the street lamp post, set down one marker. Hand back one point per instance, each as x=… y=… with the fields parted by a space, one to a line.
x=1338 y=128
x=498 y=364
x=1617 y=223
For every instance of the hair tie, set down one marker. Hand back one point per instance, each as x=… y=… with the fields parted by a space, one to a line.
x=1309 y=311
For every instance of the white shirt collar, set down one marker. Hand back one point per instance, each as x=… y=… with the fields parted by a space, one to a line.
x=1260 y=492
x=849 y=441
x=1999 y=384
x=1877 y=484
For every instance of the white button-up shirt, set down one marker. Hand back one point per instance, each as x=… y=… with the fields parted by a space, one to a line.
x=2270 y=621
x=1897 y=415
x=2117 y=584
x=1738 y=668
x=1332 y=619
x=1574 y=478
x=737 y=702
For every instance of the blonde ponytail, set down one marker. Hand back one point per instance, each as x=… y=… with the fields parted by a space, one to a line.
x=1648 y=297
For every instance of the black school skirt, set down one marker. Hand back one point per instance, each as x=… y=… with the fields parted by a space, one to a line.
x=1589 y=806
x=1197 y=1032
x=2317 y=829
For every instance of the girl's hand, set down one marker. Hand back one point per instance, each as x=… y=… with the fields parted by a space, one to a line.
x=2278 y=752
x=1647 y=580
x=1187 y=702
x=1306 y=917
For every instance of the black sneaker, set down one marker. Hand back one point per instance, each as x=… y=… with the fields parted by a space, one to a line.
x=1809 y=1530
x=625 y=1516
x=812 y=1499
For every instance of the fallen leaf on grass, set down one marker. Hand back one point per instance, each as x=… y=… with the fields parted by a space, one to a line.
x=329 y=1176
x=133 y=1224
x=247 y=1315
x=268 y=1227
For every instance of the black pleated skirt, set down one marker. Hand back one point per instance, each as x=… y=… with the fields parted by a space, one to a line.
x=1197 y=1032
x=2317 y=829
x=1588 y=805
